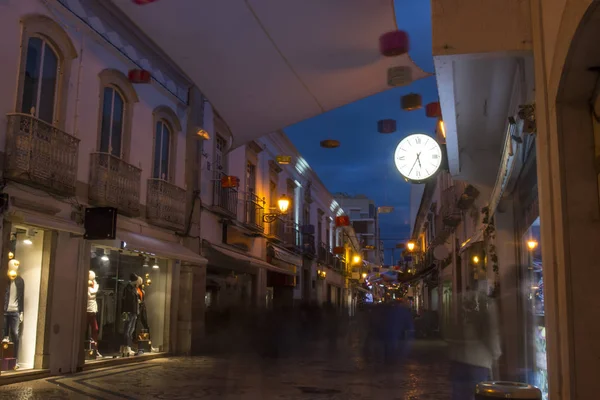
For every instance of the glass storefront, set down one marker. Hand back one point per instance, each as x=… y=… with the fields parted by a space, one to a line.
x=534 y=281
x=127 y=304
x=23 y=296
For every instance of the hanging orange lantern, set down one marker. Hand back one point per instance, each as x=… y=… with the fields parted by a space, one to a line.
x=230 y=182
x=411 y=102
x=399 y=76
x=386 y=126
x=393 y=44
x=330 y=143
x=433 y=110
x=343 y=220
x=339 y=250
x=139 y=76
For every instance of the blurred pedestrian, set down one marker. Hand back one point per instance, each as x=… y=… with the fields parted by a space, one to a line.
x=474 y=342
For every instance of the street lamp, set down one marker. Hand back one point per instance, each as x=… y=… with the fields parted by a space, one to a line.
x=282 y=207
x=356 y=259
x=410 y=245
x=532 y=244
x=475 y=259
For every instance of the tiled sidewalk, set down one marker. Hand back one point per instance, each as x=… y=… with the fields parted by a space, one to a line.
x=424 y=375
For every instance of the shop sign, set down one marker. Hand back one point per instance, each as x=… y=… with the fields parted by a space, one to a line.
x=283 y=160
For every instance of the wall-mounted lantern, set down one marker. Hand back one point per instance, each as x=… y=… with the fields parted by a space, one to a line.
x=283 y=204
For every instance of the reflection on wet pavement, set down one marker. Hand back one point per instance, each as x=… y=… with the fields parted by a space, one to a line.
x=421 y=374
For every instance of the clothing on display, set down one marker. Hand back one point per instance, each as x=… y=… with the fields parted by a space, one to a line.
x=130 y=308
x=92 y=306
x=13 y=306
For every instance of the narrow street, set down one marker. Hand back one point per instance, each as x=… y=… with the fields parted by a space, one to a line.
x=422 y=375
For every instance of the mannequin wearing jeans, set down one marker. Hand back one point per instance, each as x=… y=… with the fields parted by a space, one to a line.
x=130 y=308
x=143 y=316
x=13 y=305
x=92 y=308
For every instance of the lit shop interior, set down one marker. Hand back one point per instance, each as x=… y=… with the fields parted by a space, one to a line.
x=24 y=294
x=535 y=298
x=127 y=306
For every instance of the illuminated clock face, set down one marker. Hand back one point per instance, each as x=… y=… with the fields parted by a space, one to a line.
x=418 y=157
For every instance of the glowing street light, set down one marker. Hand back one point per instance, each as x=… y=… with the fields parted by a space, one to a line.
x=475 y=259
x=283 y=203
x=356 y=259
x=532 y=244
x=410 y=245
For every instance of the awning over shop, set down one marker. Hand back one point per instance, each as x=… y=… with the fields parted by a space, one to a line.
x=287 y=257
x=45 y=221
x=226 y=256
x=146 y=244
x=265 y=65
x=475 y=238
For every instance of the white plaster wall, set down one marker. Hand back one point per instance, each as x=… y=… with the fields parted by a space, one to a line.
x=65 y=309
x=94 y=55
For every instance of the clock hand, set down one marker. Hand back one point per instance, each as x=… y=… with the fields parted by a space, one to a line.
x=418 y=159
x=413 y=167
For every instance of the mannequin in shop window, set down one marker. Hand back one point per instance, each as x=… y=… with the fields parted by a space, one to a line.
x=143 y=313
x=130 y=308
x=13 y=305
x=92 y=310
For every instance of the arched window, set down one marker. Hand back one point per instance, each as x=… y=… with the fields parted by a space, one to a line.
x=41 y=78
x=162 y=150
x=46 y=56
x=166 y=129
x=117 y=97
x=111 y=127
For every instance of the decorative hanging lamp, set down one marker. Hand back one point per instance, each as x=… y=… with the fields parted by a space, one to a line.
x=411 y=102
x=139 y=76
x=386 y=126
x=399 y=76
x=394 y=43
x=330 y=143
x=433 y=110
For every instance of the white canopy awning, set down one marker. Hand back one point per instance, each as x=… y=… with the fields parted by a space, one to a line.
x=264 y=64
x=147 y=244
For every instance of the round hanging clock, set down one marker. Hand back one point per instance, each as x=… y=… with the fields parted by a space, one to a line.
x=418 y=157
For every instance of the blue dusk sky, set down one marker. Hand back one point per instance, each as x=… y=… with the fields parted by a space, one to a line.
x=364 y=164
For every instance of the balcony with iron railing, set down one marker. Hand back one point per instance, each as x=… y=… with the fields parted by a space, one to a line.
x=308 y=245
x=225 y=199
x=115 y=183
x=165 y=204
x=451 y=214
x=40 y=155
x=254 y=209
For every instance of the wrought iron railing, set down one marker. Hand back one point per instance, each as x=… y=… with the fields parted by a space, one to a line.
x=165 y=204
x=338 y=264
x=291 y=236
x=254 y=210
x=115 y=183
x=224 y=199
x=308 y=245
x=277 y=229
x=40 y=154
x=451 y=214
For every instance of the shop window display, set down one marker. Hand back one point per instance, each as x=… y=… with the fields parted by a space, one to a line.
x=535 y=298
x=126 y=304
x=22 y=298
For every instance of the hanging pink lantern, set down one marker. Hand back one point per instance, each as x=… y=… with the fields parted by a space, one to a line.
x=394 y=43
x=411 y=102
x=433 y=110
x=399 y=76
x=330 y=143
x=386 y=126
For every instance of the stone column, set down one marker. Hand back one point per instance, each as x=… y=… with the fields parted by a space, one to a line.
x=512 y=319
x=184 y=311
x=198 y=308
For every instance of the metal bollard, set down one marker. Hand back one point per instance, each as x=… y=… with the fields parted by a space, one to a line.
x=506 y=390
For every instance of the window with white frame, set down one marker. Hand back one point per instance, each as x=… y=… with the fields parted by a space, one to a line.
x=162 y=150
x=220 y=161
x=111 y=127
x=40 y=80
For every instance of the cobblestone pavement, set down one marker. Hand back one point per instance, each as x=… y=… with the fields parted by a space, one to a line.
x=422 y=375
